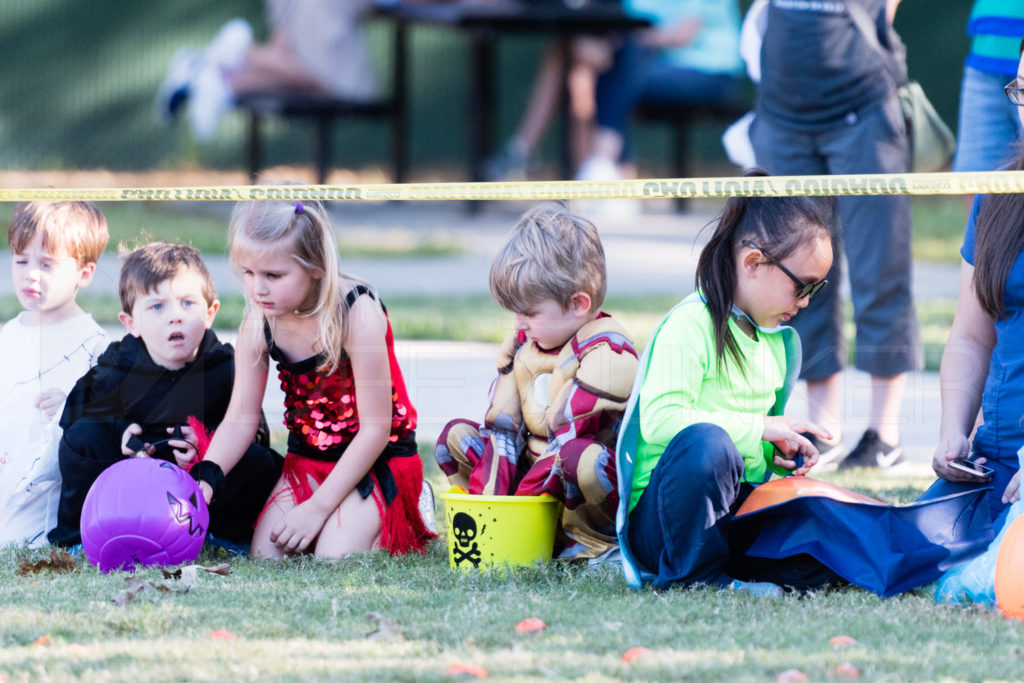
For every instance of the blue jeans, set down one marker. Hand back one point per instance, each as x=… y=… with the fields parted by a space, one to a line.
x=989 y=124
x=875 y=237
x=682 y=529
x=679 y=528
x=638 y=76
x=1002 y=472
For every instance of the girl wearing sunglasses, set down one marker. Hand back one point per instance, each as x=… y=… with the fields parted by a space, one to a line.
x=704 y=422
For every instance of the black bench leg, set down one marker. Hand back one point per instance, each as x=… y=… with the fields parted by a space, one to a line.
x=255 y=159
x=322 y=148
x=681 y=152
x=398 y=121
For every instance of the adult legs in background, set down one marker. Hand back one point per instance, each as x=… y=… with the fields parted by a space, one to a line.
x=274 y=67
x=988 y=124
x=876 y=239
x=589 y=56
x=875 y=236
x=637 y=75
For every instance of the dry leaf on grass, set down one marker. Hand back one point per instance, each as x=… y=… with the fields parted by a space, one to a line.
x=60 y=561
x=459 y=669
x=529 y=625
x=137 y=585
x=42 y=641
x=634 y=653
x=847 y=670
x=385 y=630
x=791 y=676
x=839 y=642
x=177 y=581
x=222 y=635
x=222 y=569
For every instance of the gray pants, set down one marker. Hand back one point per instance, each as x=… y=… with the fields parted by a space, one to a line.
x=875 y=235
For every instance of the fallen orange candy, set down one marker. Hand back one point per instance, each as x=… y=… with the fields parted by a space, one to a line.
x=791 y=676
x=841 y=641
x=847 y=670
x=42 y=640
x=223 y=635
x=530 y=624
x=634 y=653
x=466 y=670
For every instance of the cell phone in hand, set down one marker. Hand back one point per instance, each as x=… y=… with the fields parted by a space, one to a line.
x=972 y=468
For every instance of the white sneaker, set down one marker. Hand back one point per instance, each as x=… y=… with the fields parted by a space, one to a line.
x=181 y=72
x=603 y=169
x=598 y=168
x=761 y=589
x=426 y=507
x=211 y=98
x=227 y=50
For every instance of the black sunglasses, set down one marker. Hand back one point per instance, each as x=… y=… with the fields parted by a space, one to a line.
x=1014 y=92
x=803 y=289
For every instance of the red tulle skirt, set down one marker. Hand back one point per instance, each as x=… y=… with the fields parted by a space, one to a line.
x=401 y=526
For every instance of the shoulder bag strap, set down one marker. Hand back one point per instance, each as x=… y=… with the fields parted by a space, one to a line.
x=869 y=30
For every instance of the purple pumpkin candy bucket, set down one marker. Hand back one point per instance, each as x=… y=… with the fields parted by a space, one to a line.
x=141 y=512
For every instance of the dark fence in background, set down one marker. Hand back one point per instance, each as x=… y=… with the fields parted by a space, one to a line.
x=79 y=80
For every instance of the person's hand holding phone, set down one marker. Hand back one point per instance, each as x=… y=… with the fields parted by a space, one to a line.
x=974 y=469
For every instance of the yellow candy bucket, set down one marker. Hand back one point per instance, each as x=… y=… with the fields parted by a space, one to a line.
x=484 y=531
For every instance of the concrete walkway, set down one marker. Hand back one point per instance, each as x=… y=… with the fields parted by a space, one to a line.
x=652 y=253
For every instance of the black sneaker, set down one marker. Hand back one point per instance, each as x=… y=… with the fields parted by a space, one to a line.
x=871 y=451
x=829 y=454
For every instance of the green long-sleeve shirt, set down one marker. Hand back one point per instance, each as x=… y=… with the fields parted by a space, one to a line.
x=684 y=385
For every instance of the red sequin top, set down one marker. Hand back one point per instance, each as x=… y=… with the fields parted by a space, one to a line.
x=320 y=409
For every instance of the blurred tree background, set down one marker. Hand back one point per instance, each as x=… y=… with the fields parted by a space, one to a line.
x=80 y=78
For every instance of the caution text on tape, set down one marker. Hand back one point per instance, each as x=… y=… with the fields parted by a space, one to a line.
x=994 y=182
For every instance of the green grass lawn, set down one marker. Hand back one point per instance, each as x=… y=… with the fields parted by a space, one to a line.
x=372 y=617
x=479 y=318
x=205 y=226
x=938 y=229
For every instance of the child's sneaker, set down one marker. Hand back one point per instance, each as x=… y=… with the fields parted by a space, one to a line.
x=761 y=589
x=871 y=451
x=509 y=164
x=181 y=72
x=426 y=507
x=222 y=547
x=830 y=455
x=228 y=49
x=211 y=97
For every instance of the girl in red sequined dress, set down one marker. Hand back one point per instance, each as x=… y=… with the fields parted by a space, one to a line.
x=352 y=478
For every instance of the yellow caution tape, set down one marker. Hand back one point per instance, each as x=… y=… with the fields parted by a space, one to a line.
x=994 y=182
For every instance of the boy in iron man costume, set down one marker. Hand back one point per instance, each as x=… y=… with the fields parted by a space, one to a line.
x=564 y=376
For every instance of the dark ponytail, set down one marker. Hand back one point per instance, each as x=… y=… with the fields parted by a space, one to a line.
x=779 y=224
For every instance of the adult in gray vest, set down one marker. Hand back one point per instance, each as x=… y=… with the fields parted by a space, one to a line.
x=827 y=104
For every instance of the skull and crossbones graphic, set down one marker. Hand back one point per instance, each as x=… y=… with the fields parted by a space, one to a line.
x=467 y=549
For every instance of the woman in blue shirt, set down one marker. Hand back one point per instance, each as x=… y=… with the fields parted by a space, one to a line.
x=983 y=362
